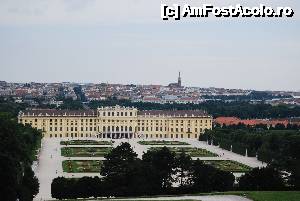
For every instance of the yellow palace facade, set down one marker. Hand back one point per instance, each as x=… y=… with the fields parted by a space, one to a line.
x=117 y=122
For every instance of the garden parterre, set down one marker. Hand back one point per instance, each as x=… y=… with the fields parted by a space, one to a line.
x=85 y=151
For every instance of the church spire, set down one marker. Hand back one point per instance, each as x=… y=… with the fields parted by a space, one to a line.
x=179 y=80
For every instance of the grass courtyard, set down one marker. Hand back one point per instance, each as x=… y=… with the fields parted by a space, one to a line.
x=162 y=142
x=192 y=151
x=85 y=151
x=85 y=142
x=79 y=166
x=228 y=165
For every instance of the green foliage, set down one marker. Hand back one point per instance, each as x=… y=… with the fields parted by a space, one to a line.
x=273 y=195
x=160 y=163
x=183 y=163
x=281 y=148
x=229 y=166
x=79 y=93
x=63 y=188
x=241 y=109
x=30 y=185
x=263 y=179
x=18 y=145
x=85 y=151
x=191 y=151
x=76 y=166
x=206 y=178
x=71 y=104
x=126 y=175
x=8 y=106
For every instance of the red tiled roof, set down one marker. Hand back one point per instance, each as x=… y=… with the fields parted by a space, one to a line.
x=251 y=122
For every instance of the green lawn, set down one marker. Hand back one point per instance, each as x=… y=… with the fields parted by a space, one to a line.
x=227 y=165
x=193 y=152
x=77 y=166
x=85 y=151
x=85 y=142
x=162 y=142
x=274 y=195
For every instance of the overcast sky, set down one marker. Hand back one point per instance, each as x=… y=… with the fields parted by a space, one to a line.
x=126 y=41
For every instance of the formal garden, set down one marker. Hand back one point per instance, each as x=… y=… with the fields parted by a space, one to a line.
x=80 y=166
x=228 y=165
x=85 y=142
x=162 y=142
x=191 y=151
x=85 y=151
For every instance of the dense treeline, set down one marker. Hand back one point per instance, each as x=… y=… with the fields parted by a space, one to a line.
x=259 y=127
x=18 y=145
x=79 y=93
x=9 y=106
x=126 y=175
x=70 y=104
x=241 y=109
x=254 y=95
x=281 y=148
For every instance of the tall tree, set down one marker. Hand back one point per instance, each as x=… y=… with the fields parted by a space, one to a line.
x=264 y=179
x=184 y=164
x=160 y=164
x=119 y=168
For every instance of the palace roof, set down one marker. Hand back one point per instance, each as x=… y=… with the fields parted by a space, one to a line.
x=54 y=112
x=177 y=113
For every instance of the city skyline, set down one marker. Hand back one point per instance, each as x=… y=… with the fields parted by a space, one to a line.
x=148 y=84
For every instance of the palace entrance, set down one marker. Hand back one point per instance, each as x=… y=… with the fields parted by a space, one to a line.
x=116 y=135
